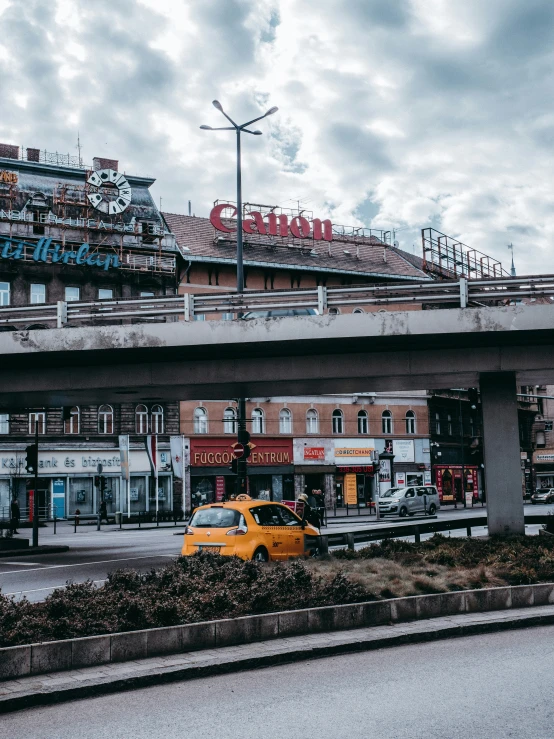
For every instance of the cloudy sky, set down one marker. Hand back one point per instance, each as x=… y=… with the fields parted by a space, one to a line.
x=392 y=113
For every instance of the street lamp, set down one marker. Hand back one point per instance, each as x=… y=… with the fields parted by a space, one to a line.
x=238 y=130
x=242 y=436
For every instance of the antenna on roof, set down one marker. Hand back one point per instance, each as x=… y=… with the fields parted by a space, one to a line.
x=79 y=147
x=190 y=207
x=513 y=267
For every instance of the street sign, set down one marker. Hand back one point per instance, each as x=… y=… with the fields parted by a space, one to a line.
x=238 y=450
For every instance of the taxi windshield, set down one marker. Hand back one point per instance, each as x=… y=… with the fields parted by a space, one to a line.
x=215 y=518
x=391 y=493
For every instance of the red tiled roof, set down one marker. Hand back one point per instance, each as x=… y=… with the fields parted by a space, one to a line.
x=198 y=241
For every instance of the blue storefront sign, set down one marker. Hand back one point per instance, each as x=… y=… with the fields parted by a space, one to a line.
x=45 y=251
x=58 y=498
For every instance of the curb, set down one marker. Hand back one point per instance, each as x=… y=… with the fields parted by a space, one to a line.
x=46 y=549
x=159 y=676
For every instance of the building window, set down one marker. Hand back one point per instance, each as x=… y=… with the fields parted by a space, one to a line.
x=312 y=422
x=200 y=421
x=227 y=316
x=38 y=294
x=72 y=425
x=363 y=422
x=199 y=316
x=105 y=419
x=4 y=293
x=449 y=424
x=229 y=421
x=258 y=421
x=334 y=311
x=410 y=422
x=437 y=424
x=4 y=423
x=338 y=422
x=285 y=421
x=146 y=294
x=157 y=419
x=358 y=310
x=141 y=419
x=72 y=293
x=37 y=420
x=105 y=293
x=386 y=422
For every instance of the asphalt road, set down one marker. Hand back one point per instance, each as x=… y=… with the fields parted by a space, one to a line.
x=95 y=553
x=494 y=686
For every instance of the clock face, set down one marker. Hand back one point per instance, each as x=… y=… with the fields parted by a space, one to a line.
x=110 y=191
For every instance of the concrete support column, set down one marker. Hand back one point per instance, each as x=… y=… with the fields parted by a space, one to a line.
x=502 y=453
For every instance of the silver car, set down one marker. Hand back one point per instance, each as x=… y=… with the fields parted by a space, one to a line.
x=546 y=495
x=410 y=500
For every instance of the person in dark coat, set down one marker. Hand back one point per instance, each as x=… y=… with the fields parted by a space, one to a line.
x=309 y=514
x=320 y=504
x=15 y=515
x=103 y=512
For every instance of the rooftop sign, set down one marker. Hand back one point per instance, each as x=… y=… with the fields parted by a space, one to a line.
x=45 y=251
x=272 y=224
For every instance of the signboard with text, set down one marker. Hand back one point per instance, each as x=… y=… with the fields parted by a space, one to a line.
x=216 y=452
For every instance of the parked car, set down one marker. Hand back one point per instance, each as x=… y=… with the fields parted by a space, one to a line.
x=407 y=501
x=249 y=529
x=279 y=313
x=545 y=495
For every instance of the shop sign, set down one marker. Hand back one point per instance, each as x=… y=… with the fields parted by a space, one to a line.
x=314 y=453
x=46 y=252
x=427 y=477
x=350 y=489
x=367 y=469
x=384 y=470
x=400 y=479
x=8 y=178
x=59 y=463
x=217 y=453
x=544 y=458
x=403 y=450
x=272 y=224
x=356 y=451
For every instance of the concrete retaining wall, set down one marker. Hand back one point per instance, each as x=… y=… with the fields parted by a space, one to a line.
x=34 y=659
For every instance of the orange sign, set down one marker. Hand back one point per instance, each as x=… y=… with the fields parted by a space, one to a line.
x=350 y=489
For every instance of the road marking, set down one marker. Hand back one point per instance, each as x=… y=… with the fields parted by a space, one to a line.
x=86 y=564
x=52 y=587
x=21 y=564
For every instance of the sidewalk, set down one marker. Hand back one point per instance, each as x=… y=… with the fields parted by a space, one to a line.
x=111 y=678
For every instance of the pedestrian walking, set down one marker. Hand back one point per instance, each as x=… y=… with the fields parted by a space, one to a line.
x=15 y=515
x=320 y=504
x=309 y=514
x=103 y=512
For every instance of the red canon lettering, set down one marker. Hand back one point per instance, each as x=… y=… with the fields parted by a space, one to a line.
x=215 y=217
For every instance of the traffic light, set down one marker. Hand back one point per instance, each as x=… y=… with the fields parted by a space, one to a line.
x=243 y=437
x=234 y=465
x=31 y=462
x=103 y=484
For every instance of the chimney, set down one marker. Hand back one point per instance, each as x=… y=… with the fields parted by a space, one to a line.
x=101 y=163
x=33 y=155
x=8 y=151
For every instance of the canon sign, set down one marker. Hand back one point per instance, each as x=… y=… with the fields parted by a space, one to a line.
x=273 y=224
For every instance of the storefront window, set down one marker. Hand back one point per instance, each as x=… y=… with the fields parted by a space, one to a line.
x=81 y=495
x=202 y=491
x=164 y=494
x=137 y=494
x=111 y=494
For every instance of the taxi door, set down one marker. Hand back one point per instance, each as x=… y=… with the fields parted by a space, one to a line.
x=293 y=532
x=271 y=530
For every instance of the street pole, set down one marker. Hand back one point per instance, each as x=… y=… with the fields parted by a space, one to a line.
x=462 y=450
x=35 y=495
x=242 y=474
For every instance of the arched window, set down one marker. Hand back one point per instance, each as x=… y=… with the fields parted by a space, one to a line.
x=200 y=421
x=229 y=421
x=386 y=422
x=333 y=311
x=363 y=422
x=105 y=419
x=437 y=424
x=312 y=422
x=358 y=310
x=285 y=421
x=72 y=425
x=258 y=421
x=338 y=422
x=410 y=422
x=141 y=419
x=157 y=419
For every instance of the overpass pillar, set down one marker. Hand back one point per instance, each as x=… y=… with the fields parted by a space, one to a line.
x=502 y=453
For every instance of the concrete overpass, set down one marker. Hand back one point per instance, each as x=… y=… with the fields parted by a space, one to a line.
x=497 y=348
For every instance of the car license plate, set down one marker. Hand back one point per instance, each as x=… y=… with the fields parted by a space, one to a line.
x=213 y=550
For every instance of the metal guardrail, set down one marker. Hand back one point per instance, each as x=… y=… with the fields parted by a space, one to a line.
x=461 y=293
x=357 y=536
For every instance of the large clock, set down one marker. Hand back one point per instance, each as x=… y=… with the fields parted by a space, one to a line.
x=104 y=182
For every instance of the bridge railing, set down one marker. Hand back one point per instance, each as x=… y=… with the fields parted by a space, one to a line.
x=461 y=293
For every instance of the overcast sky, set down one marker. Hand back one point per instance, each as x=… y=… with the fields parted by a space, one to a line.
x=392 y=113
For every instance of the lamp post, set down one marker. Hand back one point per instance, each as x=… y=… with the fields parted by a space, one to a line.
x=238 y=129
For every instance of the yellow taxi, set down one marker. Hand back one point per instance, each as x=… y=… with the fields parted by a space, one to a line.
x=249 y=529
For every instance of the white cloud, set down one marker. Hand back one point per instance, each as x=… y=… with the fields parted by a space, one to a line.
x=392 y=113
